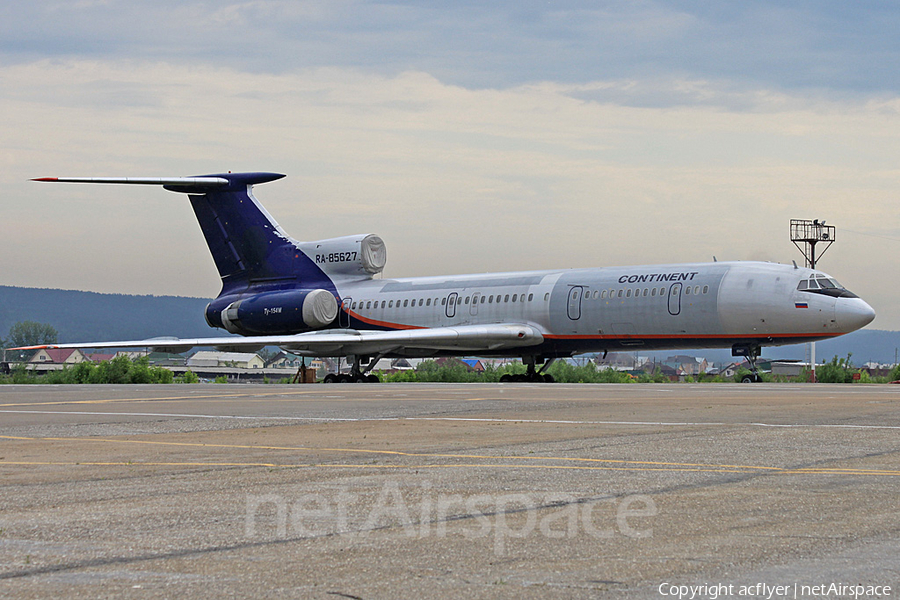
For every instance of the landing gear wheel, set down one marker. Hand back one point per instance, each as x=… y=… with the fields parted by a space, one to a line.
x=330 y=378
x=506 y=378
x=748 y=379
x=343 y=378
x=548 y=378
x=372 y=378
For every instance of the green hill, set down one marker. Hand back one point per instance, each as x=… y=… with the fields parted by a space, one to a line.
x=89 y=316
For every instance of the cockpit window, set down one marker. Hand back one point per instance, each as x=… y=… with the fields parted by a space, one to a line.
x=822 y=284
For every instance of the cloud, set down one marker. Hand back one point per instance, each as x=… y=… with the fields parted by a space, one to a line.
x=455 y=179
x=788 y=45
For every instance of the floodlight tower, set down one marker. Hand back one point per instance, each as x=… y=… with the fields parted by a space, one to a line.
x=806 y=234
x=809 y=233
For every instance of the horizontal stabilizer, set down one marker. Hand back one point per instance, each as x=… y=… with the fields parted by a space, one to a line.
x=201 y=182
x=186 y=185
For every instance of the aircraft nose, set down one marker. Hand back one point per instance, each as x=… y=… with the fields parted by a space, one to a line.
x=853 y=313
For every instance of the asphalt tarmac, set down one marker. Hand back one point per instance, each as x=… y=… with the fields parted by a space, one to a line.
x=450 y=491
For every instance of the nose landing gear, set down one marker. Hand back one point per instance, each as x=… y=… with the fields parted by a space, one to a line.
x=752 y=354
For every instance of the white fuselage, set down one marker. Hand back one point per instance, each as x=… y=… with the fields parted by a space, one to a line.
x=720 y=304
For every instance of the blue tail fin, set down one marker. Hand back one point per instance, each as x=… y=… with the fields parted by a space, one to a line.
x=249 y=248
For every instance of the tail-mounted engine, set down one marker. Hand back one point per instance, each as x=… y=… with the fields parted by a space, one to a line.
x=354 y=255
x=272 y=313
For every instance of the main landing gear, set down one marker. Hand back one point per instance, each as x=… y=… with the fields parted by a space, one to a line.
x=531 y=375
x=358 y=374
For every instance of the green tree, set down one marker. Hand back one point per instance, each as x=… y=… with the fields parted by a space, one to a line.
x=29 y=333
x=895 y=373
x=188 y=377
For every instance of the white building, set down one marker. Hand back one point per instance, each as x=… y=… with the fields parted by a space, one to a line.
x=240 y=360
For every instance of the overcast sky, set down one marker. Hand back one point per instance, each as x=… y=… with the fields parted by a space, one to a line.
x=471 y=136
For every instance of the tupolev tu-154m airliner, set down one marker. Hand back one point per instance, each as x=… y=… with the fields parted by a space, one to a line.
x=323 y=298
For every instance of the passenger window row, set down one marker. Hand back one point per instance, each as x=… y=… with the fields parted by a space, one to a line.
x=643 y=292
x=424 y=302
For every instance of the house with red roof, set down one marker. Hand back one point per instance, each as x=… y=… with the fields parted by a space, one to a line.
x=58 y=356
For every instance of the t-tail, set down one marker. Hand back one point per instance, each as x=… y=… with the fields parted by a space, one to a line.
x=271 y=283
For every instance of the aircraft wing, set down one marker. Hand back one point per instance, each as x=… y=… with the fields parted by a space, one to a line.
x=345 y=342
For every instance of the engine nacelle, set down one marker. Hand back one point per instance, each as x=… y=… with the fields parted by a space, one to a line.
x=353 y=255
x=282 y=312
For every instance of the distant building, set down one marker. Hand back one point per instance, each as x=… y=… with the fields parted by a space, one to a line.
x=474 y=364
x=471 y=364
x=687 y=365
x=166 y=359
x=619 y=361
x=240 y=360
x=789 y=368
x=58 y=356
x=287 y=360
x=731 y=370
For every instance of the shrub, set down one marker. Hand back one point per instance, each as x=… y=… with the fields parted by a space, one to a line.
x=188 y=377
x=839 y=370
